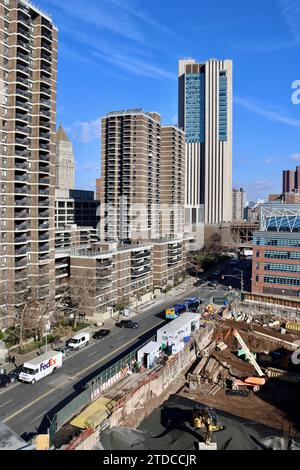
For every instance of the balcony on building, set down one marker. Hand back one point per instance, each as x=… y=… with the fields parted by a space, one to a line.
x=44 y=146
x=21 y=263
x=135 y=272
x=44 y=257
x=21 y=226
x=45 y=89
x=44 y=191
x=21 y=251
x=44 y=247
x=22 y=68
x=173 y=260
x=44 y=158
x=44 y=203
x=21 y=117
x=21 y=141
x=24 y=201
x=140 y=254
x=44 y=214
x=21 y=178
x=23 y=44
x=44 y=181
x=21 y=189
x=21 y=238
x=45 y=67
x=23 y=30
x=44 y=168
x=45 y=135
x=21 y=213
x=45 y=114
x=43 y=225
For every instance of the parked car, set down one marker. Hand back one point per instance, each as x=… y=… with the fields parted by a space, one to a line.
x=212 y=284
x=14 y=374
x=4 y=380
x=127 y=324
x=63 y=349
x=78 y=341
x=199 y=283
x=100 y=334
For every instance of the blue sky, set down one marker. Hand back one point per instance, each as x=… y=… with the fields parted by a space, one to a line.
x=116 y=54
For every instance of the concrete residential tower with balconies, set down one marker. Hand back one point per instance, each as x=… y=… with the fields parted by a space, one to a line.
x=28 y=55
x=131 y=146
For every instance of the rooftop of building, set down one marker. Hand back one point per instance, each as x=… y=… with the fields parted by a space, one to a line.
x=133 y=111
x=100 y=250
x=61 y=135
x=38 y=10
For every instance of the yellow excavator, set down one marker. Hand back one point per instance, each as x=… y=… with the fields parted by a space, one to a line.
x=203 y=418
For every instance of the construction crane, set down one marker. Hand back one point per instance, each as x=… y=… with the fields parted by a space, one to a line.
x=250 y=356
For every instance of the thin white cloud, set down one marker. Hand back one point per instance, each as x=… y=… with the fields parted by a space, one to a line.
x=146 y=18
x=137 y=66
x=295 y=157
x=264 y=46
x=290 y=10
x=85 y=131
x=101 y=16
x=269 y=114
x=89 y=167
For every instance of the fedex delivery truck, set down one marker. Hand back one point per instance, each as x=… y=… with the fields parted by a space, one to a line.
x=40 y=367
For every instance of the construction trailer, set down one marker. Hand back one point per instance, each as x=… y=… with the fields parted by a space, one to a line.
x=178 y=332
x=149 y=354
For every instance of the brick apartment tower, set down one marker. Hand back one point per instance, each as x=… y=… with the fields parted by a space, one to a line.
x=131 y=147
x=28 y=55
x=172 y=181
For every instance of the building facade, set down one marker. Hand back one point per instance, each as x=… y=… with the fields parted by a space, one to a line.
x=65 y=167
x=172 y=182
x=239 y=201
x=64 y=208
x=276 y=251
x=131 y=146
x=291 y=181
x=86 y=208
x=205 y=113
x=28 y=72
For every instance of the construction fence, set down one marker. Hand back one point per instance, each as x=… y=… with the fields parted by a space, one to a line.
x=94 y=389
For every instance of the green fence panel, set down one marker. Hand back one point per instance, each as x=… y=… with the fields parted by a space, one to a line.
x=73 y=407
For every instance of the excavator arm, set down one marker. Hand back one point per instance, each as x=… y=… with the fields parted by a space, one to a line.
x=249 y=353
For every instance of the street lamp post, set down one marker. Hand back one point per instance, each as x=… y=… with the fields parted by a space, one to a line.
x=242 y=278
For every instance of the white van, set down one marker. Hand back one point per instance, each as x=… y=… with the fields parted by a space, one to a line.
x=78 y=341
x=40 y=367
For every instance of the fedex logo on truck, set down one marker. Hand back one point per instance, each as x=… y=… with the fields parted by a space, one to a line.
x=50 y=363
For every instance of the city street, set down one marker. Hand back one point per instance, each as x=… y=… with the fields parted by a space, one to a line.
x=26 y=408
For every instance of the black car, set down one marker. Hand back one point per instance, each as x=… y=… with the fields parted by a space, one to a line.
x=4 y=380
x=199 y=283
x=101 y=334
x=14 y=374
x=127 y=324
x=212 y=284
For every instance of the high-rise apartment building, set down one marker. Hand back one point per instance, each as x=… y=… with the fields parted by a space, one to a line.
x=65 y=171
x=28 y=57
x=239 y=201
x=172 y=181
x=131 y=171
x=205 y=113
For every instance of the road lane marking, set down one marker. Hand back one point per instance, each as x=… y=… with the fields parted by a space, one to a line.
x=6 y=403
x=74 y=376
x=93 y=353
x=28 y=406
x=39 y=416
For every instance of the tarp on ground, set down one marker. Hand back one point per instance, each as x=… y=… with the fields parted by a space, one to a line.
x=169 y=428
x=94 y=414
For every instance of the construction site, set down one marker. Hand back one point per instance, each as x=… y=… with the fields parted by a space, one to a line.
x=234 y=385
